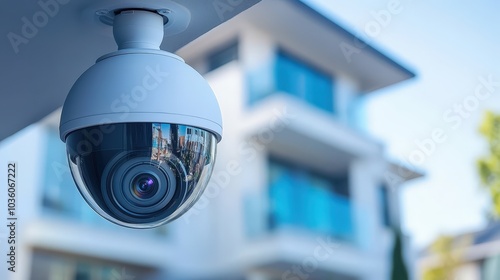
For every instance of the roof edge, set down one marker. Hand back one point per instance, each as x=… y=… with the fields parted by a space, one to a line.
x=337 y=28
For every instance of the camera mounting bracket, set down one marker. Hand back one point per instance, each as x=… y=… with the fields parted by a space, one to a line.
x=139 y=29
x=184 y=21
x=176 y=18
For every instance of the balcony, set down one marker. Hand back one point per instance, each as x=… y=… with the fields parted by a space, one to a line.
x=285 y=125
x=310 y=195
x=302 y=200
x=290 y=75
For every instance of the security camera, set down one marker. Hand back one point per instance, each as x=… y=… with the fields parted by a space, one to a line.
x=141 y=128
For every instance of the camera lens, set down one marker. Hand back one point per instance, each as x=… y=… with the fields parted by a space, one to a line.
x=142 y=174
x=137 y=189
x=144 y=186
x=140 y=184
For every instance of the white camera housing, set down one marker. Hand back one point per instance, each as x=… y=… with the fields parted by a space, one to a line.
x=141 y=128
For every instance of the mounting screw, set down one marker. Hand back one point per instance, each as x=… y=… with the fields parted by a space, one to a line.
x=164 y=12
x=102 y=12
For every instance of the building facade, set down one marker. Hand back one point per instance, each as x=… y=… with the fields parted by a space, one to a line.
x=475 y=255
x=299 y=191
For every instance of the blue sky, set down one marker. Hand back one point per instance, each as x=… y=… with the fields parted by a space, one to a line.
x=450 y=45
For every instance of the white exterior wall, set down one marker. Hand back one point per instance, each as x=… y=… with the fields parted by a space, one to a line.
x=345 y=95
x=365 y=180
x=469 y=271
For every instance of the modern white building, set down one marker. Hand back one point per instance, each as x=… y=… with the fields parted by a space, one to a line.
x=299 y=190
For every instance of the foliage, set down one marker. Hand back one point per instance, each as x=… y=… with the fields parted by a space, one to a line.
x=489 y=166
x=448 y=252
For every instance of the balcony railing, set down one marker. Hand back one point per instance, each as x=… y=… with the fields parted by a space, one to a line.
x=301 y=200
x=287 y=74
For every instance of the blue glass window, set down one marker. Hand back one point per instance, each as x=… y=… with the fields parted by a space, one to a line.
x=302 y=199
x=292 y=76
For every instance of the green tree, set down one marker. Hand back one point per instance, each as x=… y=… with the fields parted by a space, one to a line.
x=399 y=271
x=448 y=254
x=489 y=166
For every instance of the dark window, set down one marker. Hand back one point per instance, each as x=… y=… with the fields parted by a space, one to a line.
x=48 y=265
x=385 y=206
x=223 y=56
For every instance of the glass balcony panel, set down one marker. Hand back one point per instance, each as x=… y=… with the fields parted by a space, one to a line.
x=302 y=200
x=289 y=75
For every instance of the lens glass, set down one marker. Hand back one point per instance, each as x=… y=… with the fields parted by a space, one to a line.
x=144 y=186
x=141 y=175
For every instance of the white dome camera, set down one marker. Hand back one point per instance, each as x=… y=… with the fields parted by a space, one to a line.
x=141 y=128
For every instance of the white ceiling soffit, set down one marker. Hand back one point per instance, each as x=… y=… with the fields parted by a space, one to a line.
x=47 y=44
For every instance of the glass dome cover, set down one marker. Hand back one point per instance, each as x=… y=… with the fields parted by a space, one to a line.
x=141 y=175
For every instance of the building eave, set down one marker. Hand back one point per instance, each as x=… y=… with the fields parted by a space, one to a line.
x=401 y=173
x=338 y=28
x=323 y=41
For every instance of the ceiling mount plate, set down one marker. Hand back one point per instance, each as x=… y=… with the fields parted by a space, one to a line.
x=176 y=16
x=108 y=17
x=187 y=19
